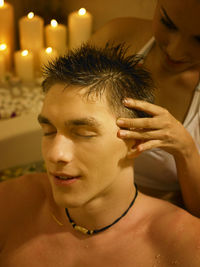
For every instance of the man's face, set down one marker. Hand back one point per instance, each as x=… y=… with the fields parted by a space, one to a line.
x=85 y=159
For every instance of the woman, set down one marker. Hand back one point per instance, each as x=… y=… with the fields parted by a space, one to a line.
x=169 y=164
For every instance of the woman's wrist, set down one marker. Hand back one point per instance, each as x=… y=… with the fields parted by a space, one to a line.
x=188 y=150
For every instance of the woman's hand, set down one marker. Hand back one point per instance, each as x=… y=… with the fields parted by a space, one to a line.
x=161 y=130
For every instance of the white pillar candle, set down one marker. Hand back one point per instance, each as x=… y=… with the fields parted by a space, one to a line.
x=7 y=30
x=24 y=65
x=5 y=54
x=80 y=27
x=56 y=36
x=46 y=55
x=31 y=30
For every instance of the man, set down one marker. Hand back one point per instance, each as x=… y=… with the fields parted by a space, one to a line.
x=87 y=211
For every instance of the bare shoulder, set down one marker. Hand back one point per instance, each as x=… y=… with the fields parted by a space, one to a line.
x=134 y=31
x=22 y=185
x=19 y=195
x=176 y=234
x=20 y=191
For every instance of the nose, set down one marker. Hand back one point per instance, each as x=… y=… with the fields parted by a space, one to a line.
x=60 y=150
x=177 y=48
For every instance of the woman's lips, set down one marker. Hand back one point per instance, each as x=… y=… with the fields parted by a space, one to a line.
x=174 y=62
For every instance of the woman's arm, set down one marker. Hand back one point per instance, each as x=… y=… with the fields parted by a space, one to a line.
x=164 y=131
x=135 y=32
x=188 y=171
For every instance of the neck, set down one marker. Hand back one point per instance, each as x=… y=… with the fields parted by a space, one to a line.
x=104 y=210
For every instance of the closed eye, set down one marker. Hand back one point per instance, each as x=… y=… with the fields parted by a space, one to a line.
x=166 y=20
x=48 y=129
x=168 y=24
x=84 y=133
x=49 y=133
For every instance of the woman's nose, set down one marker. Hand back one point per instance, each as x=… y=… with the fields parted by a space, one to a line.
x=60 y=150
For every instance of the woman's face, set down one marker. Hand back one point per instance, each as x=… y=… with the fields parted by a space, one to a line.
x=176 y=28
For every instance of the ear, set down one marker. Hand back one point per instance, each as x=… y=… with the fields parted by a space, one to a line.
x=132 y=149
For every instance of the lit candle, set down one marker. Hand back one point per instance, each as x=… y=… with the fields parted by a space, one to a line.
x=56 y=36
x=7 y=30
x=47 y=55
x=31 y=30
x=24 y=65
x=80 y=27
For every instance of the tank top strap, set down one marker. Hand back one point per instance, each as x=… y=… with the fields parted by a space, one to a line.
x=198 y=87
x=146 y=48
x=194 y=107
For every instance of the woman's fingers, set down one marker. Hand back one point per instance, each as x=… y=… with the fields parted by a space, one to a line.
x=161 y=130
x=152 y=109
x=146 y=123
x=149 y=145
x=161 y=117
x=142 y=135
x=143 y=147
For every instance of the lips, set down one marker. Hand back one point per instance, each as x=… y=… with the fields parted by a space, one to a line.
x=174 y=62
x=171 y=62
x=64 y=178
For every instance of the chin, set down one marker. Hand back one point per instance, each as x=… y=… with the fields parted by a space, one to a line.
x=66 y=201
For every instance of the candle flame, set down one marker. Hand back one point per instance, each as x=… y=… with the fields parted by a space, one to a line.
x=30 y=15
x=24 y=53
x=82 y=11
x=3 y=47
x=48 y=50
x=54 y=23
x=1 y=3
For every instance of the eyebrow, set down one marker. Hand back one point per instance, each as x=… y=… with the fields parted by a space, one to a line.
x=172 y=23
x=87 y=121
x=43 y=120
x=168 y=18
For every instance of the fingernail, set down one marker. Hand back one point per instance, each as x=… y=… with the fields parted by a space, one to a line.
x=122 y=134
x=140 y=148
x=126 y=101
x=121 y=122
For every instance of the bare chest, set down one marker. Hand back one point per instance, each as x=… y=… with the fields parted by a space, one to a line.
x=62 y=249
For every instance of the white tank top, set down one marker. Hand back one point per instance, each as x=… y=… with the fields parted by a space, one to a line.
x=156 y=168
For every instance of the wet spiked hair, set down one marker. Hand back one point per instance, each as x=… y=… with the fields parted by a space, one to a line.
x=103 y=70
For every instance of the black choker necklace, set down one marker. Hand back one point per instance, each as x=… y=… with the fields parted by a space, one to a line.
x=91 y=232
